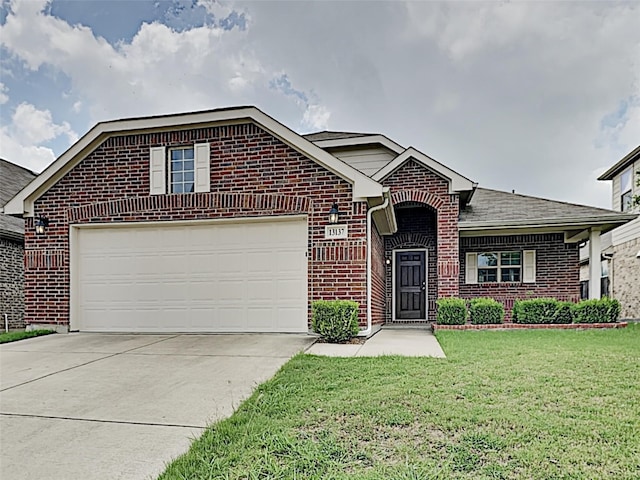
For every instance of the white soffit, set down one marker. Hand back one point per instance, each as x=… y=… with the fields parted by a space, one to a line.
x=366 y=140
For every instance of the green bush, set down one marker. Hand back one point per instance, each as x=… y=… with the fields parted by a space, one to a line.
x=335 y=320
x=535 y=310
x=451 y=311
x=597 y=310
x=486 y=311
x=564 y=312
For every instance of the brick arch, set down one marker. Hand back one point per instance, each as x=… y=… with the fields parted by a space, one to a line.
x=408 y=240
x=418 y=196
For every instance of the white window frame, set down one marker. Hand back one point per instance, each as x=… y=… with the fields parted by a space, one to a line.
x=160 y=168
x=527 y=267
x=628 y=193
x=170 y=172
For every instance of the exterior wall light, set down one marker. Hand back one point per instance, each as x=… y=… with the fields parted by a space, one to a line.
x=387 y=261
x=334 y=215
x=41 y=225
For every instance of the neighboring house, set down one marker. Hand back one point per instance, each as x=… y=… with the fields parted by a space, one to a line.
x=620 y=248
x=220 y=221
x=13 y=178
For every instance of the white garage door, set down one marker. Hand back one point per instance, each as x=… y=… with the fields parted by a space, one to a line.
x=248 y=276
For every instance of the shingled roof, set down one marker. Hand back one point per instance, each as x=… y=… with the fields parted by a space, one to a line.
x=496 y=209
x=13 y=178
x=326 y=135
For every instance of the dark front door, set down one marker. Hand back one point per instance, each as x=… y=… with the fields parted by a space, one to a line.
x=410 y=286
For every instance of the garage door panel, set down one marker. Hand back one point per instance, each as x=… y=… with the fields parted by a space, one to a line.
x=246 y=276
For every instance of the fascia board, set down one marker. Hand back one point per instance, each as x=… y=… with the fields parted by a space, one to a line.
x=564 y=223
x=22 y=203
x=366 y=140
x=457 y=182
x=623 y=163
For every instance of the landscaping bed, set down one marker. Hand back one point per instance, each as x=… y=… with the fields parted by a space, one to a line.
x=528 y=326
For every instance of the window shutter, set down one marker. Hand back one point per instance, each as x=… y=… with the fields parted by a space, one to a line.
x=158 y=170
x=202 y=153
x=471 y=268
x=529 y=266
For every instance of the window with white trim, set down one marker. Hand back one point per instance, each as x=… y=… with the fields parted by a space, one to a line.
x=626 y=196
x=499 y=267
x=516 y=266
x=181 y=170
x=185 y=169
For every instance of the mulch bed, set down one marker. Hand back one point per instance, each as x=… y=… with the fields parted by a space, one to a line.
x=353 y=341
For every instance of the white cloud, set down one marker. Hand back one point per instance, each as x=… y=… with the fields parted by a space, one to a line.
x=22 y=141
x=4 y=98
x=510 y=94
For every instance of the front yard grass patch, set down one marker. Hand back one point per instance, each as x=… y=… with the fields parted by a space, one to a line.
x=21 y=335
x=503 y=405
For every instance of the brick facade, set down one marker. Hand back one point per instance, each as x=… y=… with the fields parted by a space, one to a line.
x=112 y=185
x=12 y=283
x=431 y=222
x=557 y=268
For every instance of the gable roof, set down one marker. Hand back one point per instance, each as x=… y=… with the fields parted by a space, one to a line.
x=329 y=135
x=351 y=139
x=22 y=204
x=498 y=210
x=13 y=178
x=627 y=160
x=457 y=182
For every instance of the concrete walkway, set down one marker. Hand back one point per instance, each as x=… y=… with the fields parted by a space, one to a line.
x=407 y=342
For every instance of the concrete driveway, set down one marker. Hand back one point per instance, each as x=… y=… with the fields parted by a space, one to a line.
x=96 y=406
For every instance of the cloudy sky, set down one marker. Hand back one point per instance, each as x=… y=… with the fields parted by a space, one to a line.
x=540 y=97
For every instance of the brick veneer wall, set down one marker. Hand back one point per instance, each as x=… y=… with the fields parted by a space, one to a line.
x=252 y=174
x=557 y=269
x=414 y=183
x=416 y=229
x=12 y=283
x=379 y=280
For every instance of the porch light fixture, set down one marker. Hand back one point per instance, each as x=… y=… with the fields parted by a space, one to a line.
x=334 y=214
x=41 y=225
x=387 y=261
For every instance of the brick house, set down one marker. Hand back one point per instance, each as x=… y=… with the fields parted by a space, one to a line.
x=620 y=248
x=13 y=178
x=225 y=221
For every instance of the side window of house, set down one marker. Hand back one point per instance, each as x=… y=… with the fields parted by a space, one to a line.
x=494 y=267
x=184 y=169
x=626 y=197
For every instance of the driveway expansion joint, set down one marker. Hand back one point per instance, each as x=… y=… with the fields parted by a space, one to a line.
x=83 y=364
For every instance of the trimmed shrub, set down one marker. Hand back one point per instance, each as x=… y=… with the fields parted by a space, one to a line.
x=564 y=312
x=535 y=310
x=597 y=310
x=451 y=311
x=486 y=311
x=335 y=320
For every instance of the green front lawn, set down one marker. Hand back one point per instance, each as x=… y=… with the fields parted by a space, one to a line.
x=504 y=405
x=21 y=335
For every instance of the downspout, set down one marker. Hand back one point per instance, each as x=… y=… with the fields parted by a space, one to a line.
x=383 y=205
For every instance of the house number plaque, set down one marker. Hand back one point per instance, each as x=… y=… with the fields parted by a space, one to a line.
x=334 y=232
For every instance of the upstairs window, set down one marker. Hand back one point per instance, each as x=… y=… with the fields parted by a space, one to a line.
x=181 y=170
x=626 y=197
